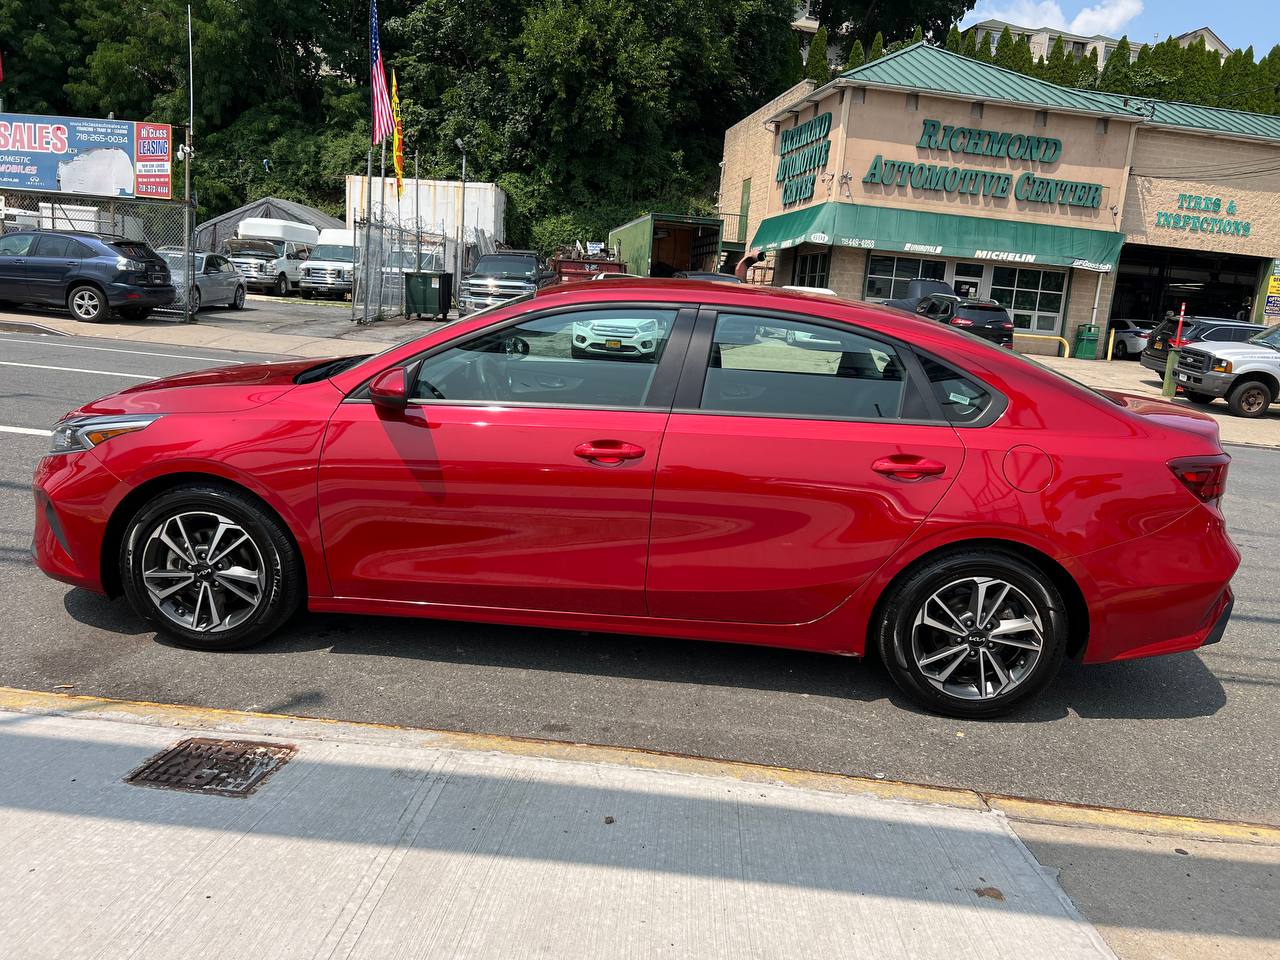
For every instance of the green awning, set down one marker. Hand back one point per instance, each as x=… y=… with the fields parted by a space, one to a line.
x=941 y=235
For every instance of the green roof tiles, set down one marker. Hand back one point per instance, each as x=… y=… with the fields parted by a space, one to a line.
x=923 y=67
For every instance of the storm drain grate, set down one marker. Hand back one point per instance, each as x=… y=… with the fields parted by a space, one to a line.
x=225 y=768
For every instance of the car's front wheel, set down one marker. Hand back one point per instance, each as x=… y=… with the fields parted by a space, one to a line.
x=210 y=567
x=1249 y=399
x=973 y=633
x=282 y=286
x=1121 y=351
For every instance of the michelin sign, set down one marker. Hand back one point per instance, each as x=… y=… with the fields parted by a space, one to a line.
x=103 y=158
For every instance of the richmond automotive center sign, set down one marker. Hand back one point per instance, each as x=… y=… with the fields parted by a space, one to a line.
x=103 y=158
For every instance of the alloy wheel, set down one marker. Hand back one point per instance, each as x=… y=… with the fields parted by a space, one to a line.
x=977 y=638
x=203 y=571
x=86 y=304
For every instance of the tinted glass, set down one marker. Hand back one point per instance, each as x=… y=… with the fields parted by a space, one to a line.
x=52 y=245
x=15 y=245
x=810 y=371
x=134 y=250
x=497 y=266
x=594 y=358
x=962 y=400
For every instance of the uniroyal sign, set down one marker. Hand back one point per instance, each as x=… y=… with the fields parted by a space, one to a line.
x=105 y=158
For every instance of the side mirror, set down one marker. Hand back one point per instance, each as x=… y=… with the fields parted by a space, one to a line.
x=390 y=389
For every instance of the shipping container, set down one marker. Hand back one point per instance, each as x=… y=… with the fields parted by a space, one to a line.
x=439 y=200
x=661 y=244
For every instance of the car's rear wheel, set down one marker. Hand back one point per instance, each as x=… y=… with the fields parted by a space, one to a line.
x=195 y=299
x=86 y=303
x=210 y=568
x=1249 y=399
x=237 y=301
x=973 y=633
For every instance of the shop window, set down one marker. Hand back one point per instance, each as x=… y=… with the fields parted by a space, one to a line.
x=812 y=269
x=1034 y=297
x=889 y=278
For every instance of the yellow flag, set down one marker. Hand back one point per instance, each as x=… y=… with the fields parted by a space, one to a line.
x=397 y=153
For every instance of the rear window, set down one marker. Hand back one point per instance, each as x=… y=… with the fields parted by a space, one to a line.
x=962 y=400
x=981 y=309
x=134 y=250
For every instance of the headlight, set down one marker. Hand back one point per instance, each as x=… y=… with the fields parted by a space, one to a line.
x=84 y=433
x=1222 y=366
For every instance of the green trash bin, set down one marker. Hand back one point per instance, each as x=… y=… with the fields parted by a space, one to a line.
x=428 y=293
x=1086 y=346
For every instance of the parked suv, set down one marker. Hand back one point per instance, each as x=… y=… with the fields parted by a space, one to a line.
x=1247 y=374
x=1194 y=330
x=499 y=277
x=983 y=318
x=90 y=274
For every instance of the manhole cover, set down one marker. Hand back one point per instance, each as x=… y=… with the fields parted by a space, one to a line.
x=227 y=768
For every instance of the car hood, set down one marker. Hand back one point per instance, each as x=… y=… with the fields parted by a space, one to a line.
x=1166 y=413
x=1238 y=353
x=217 y=390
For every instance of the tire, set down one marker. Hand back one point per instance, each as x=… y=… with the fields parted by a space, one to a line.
x=282 y=286
x=1197 y=397
x=953 y=689
x=196 y=299
x=1121 y=352
x=237 y=299
x=87 y=303
x=264 y=570
x=1249 y=399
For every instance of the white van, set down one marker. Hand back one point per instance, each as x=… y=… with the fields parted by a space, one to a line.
x=328 y=271
x=269 y=253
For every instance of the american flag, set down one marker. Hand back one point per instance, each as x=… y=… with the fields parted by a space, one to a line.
x=383 y=122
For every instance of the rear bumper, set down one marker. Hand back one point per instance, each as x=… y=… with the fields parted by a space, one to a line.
x=1167 y=592
x=1153 y=359
x=131 y=295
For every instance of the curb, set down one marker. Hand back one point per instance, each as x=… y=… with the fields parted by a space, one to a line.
x=1023 y=809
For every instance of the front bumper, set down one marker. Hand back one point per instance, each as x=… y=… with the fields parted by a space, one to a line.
x=1214 y=384
x=483 y=299
x=327 y=286
x=74 y=496
x=135 y=295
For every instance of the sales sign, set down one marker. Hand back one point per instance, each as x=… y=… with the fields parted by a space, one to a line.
x=104 y=158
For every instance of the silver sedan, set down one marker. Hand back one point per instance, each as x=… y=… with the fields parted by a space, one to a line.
x=217 y=279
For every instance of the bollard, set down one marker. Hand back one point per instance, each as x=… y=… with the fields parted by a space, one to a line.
x=1170 y=386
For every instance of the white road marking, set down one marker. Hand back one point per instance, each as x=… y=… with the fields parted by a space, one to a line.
x=29 y=431
x=100 y=373
x=53 y=342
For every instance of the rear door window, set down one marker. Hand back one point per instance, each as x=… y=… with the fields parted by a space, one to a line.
x=962 y=399
x=52 y=245
x=810 y=371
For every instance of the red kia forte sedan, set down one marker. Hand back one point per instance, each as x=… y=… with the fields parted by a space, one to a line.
x=668 y=458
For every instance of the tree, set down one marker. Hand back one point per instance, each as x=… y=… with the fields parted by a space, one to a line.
x=1057 y=69
x=818 y=68
x=984 y=51
x=867 y=17
x=969 y=44
x=1004 y=56
x=877 y=48
x=1200 y=74
x=917 y=35
x=857 y=56
x=1023 y=60
x=1240 y=80
x=955 y=42
x=793 y=70
x=1268 y=97
x=40 y=43
x=1087 y=71
x=1115 y=72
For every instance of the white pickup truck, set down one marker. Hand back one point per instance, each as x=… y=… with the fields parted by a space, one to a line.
x=328 y=272
x=1246 y=374
x=269 y=253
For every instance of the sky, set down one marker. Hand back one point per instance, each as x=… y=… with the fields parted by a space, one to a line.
x=1238 y=22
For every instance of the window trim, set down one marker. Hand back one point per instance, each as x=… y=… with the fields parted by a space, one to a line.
x=661 y=389
x=688 y=399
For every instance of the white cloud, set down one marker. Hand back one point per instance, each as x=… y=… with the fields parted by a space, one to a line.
x=1106 y=16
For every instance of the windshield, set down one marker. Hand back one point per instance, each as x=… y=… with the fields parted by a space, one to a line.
x=507 y=266
x=267 y=248
x=1269 y=337
x=334 y=251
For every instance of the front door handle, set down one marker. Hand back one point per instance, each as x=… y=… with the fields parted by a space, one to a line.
x=608 y=453
x=907 y=467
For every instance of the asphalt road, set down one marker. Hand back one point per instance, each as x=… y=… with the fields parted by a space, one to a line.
x=1193 y=734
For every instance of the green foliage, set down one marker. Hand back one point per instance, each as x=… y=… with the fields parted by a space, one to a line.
x=1239 y=80
x=955 y=42
x=1004 y=50
x=877 y=48
x=857 y=56
x=793 y=68
x=969 y=44
x=818 y=68
x=1115 y=72
x=867 y=17
x=983 y=50
x=1057 y=67
x=1023 y=61
x=917 y=35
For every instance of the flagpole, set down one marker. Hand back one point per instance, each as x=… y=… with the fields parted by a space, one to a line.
x=382 y=224
x=368 y=223
x=417 y=217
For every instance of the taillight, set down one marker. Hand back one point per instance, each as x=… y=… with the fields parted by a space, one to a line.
x=1206 y=477
x=961 y=322
x=1007 y=326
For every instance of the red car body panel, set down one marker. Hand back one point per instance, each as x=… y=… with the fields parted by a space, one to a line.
x=749 y=529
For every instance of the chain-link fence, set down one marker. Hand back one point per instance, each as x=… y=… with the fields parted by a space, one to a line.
x=387 y=249
x=159 y=223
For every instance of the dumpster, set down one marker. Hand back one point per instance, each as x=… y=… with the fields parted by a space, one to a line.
x=427 y=293
x=1086 y=346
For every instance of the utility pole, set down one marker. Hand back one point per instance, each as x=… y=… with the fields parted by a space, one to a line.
x=187 y=239
x=368 y=224
x=462 y=218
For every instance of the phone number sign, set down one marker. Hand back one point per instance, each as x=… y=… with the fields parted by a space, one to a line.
x=103 y=158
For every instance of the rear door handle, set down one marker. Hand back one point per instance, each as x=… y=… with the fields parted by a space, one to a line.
x=608 y=453
x=907 y=467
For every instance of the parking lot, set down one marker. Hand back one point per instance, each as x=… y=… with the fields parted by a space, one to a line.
x=1189 y=734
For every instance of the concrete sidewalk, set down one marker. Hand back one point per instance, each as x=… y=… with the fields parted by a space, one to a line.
x=381 y=842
